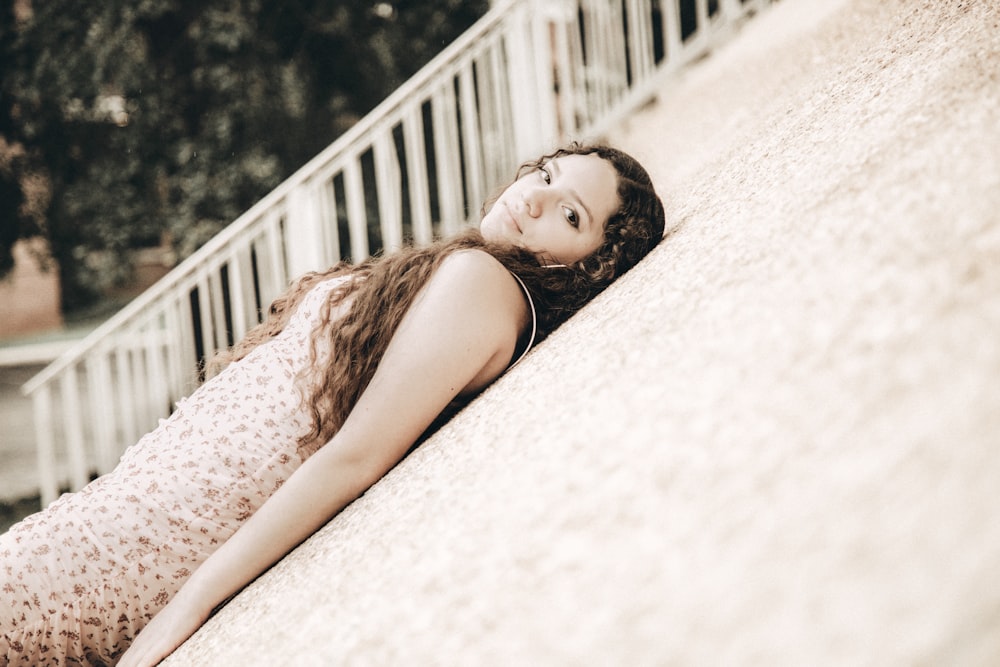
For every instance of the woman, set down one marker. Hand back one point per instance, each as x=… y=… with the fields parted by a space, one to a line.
x=350 y=369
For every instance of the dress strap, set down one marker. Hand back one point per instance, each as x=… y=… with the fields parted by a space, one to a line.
x=534 y=321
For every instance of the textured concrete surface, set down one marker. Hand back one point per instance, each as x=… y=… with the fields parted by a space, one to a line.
x=777 y=442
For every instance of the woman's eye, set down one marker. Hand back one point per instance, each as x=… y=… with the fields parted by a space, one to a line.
x=572 y=217
x=545 y=175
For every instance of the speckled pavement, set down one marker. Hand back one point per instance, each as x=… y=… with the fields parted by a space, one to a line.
x=776 y=442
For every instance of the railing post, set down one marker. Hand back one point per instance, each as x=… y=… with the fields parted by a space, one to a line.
x=126 y=395
x=731 y=9
x=543 y=17
x=274 y=269
x=239 y=297
x=495 y=112
x=524 y=65
x=326 y=200
x=187 y=356
x=102 y=410
x=639 y=39
x=303 y=229
x=357 y=215
x=388 y=183
x=566 y=71
x=416 y=171
x=471 y=139
x=672 y=32
x=73 y=430
x=45 y=450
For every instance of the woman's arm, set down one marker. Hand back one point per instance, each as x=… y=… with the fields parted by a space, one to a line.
x=464 y=322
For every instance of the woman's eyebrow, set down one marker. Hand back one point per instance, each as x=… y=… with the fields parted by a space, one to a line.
x=554 y=164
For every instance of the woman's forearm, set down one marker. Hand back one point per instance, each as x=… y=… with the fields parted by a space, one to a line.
x=320 y=488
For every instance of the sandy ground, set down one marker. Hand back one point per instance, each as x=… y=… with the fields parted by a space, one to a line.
x=773 y=443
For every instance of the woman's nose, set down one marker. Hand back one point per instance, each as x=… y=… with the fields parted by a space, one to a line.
x=532 y=202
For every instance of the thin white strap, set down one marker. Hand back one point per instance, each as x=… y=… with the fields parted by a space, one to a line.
x=534 y=321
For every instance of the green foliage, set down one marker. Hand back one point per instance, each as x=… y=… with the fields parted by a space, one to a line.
x=13 y=225
x=153 y=118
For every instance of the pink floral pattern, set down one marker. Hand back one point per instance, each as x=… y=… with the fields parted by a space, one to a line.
x=80 y=579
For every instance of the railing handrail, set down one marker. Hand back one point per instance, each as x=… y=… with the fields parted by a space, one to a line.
x=189 y=265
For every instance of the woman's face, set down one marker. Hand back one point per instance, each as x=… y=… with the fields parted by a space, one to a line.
x=559 y=211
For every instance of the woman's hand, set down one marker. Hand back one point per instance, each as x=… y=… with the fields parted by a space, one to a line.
x=168 y=630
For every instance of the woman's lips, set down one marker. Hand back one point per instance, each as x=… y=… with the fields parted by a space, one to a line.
x=510 y=215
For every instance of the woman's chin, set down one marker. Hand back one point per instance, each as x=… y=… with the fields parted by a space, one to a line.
x=493 y=234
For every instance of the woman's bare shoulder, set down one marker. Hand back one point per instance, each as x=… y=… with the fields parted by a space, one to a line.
x=478 y=275
x=474 y=263
x=483 y=295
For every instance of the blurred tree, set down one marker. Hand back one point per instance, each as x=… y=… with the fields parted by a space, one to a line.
x=13 y=224
x=157 y=119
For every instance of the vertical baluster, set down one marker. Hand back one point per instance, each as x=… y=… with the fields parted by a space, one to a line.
x=388 y=185
x=139 y=380
x=730 y=10
x=582 y=84
x=619 y=46
x=327 y=201
x=274 y=266
x=701 y=17
x=102 y=409
x=157 y=397
x=416 y=173
x=593 y=64
x=73 y=429
x=640 y=42
x=488 y=114
x=503 y=149
x=522 y=66
x=45 y=441
x=672 y=33
x=609 y=32
x=187 y=355
x=173 y=333
x=218 y=309
x=561 y=91
x=205 y=316
x=446 y=151
x=565 y=76
x=540 y=21
x=238 y=295
x=126 y=396
x=357 y=218
x=303 y=230
x=139 y=343
x=250 y=282
x=471 y=140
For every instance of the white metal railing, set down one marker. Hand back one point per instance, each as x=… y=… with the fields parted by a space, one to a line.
x=528 y=75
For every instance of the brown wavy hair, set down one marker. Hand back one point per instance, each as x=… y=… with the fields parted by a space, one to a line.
x=382 y=289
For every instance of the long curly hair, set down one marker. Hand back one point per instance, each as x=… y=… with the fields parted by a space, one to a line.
x=381 y=290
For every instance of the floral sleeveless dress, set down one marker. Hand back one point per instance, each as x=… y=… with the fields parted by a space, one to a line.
x=79 y=579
